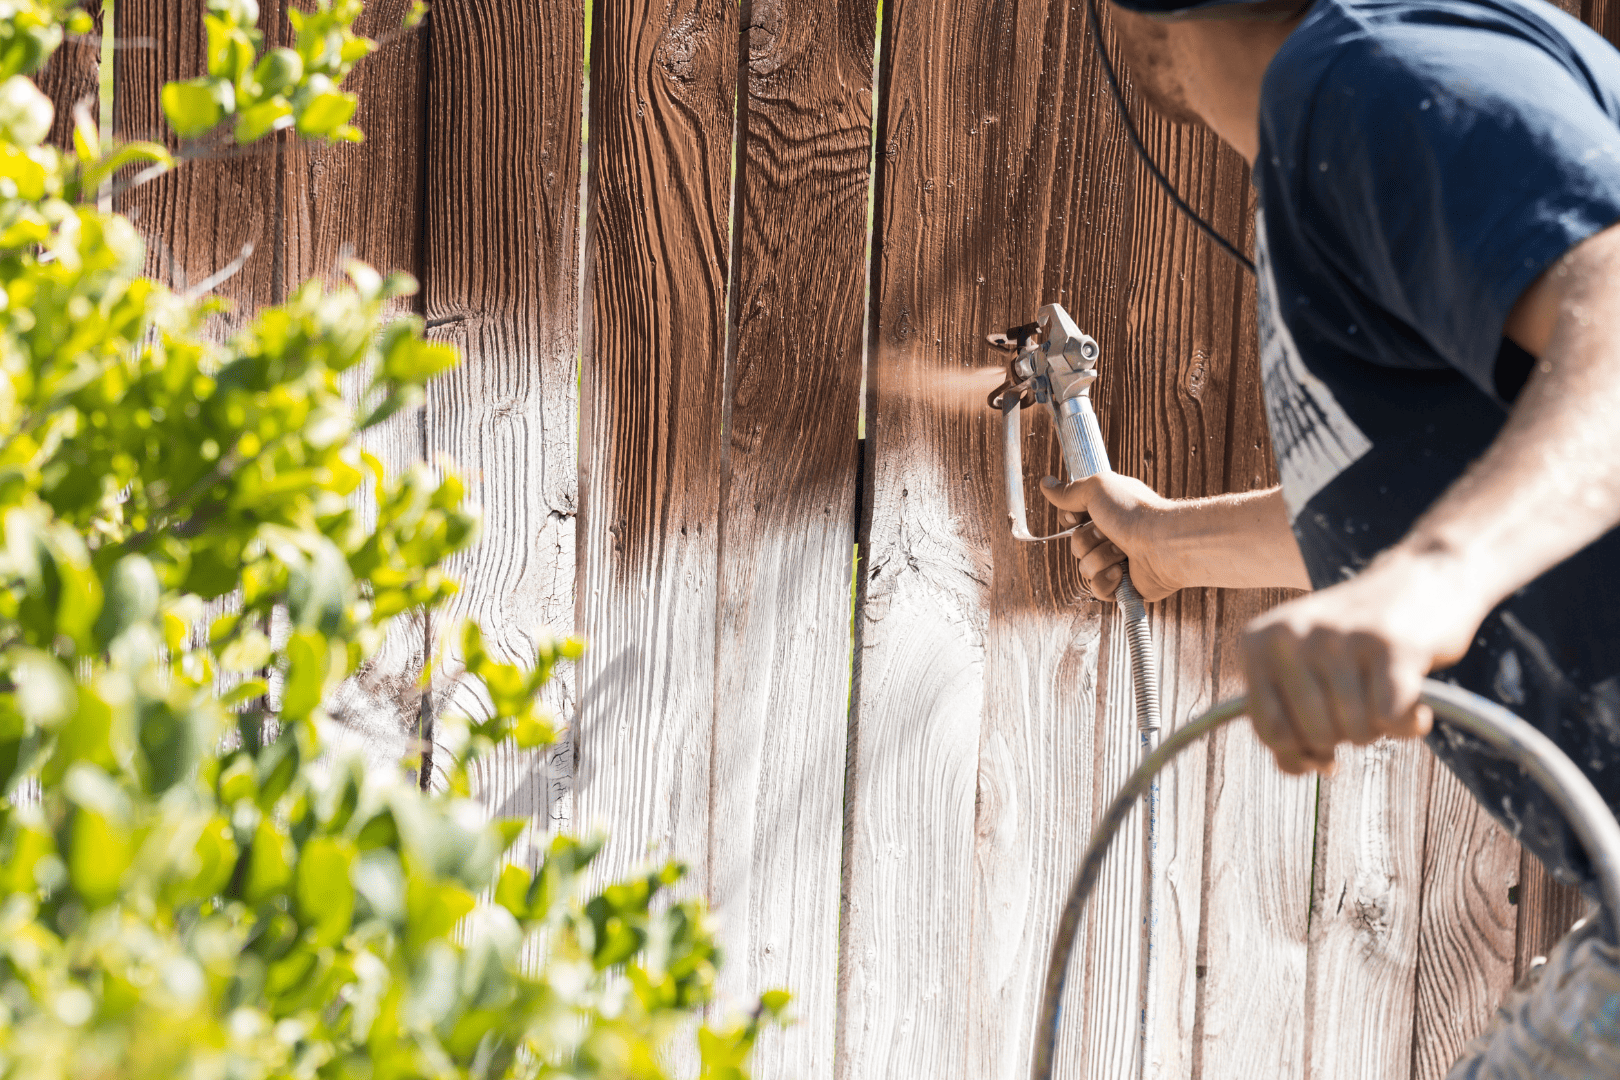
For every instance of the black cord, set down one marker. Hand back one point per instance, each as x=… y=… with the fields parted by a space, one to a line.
x=1136 y=143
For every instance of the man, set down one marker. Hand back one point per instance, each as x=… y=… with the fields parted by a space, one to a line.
x=1439 y=295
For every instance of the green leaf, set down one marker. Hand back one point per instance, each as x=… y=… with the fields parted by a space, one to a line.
x=324 y=114
x=279 y=71
x=308 y=664
x=269 y=864
x=249 y=652
x=380 y=879
x=25 y=113
x=197 y=106
x=254 y=123
x=318 y=588
x=432 y=911
x=101 y=851
x=132 y=596
x=512 y=890
x=325 y=895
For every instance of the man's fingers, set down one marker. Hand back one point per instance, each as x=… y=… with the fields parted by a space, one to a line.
x=1272 y=726
x=1075 y=497
x=1102 y=586
x=1393 y=700
x=1100 y=558
x=1341 y=675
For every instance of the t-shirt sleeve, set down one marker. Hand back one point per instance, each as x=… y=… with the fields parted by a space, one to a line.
x=1441 y=182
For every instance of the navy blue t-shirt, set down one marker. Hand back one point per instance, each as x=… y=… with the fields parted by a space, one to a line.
x=1420 y=163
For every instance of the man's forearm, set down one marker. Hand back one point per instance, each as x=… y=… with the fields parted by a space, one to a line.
x=1550 y=483
x=1234 y=541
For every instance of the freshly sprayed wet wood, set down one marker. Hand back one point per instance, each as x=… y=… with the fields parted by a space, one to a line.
x=1259 y=824
x=971 y=769
x=787 y=527
x=663 y=79
x=1466 y=939
x=1168 y=408
x=501 y=280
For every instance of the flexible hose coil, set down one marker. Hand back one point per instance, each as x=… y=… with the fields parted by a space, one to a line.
x=1144 y=667
x=1589 y=817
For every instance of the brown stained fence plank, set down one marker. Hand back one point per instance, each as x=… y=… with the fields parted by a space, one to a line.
x=201 y=217
x=906 y=981
x=663 y=80
x=365 y=202
x=781 y=701
x=1466 y=943
x=1259 y=824
x=73 y=77
x=1044 y=227
x=500 y=280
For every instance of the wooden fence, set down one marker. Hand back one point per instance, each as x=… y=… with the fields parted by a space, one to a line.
x=664 y=327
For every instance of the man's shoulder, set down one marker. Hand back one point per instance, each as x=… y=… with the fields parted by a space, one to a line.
x=1390 y=61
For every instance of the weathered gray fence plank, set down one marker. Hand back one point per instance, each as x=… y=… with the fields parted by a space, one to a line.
x=787 y=526
x=1361 y=984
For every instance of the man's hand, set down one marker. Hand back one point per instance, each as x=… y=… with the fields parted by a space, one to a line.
x=1125 y=514
x=1347 y=664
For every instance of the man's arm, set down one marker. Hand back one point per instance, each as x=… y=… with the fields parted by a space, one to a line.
x=1227 y=541
x=1346 y=664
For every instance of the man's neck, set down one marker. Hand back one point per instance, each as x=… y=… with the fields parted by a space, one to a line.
x=1222 y=63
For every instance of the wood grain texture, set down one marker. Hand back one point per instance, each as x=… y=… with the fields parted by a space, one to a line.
x=365 y=202
x=1547 y=910
x=1260 y=825
x=1360 y=983
x=221 y=202
x=907 y=980
x=72 y=77
x=781 y=692
x=1466 y=935
x=500 y=273
x=663 y=79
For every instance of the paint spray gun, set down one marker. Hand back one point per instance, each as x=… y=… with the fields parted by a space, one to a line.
x=1054 y=364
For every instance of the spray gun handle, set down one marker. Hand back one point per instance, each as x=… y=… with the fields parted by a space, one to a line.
x=1081 y=438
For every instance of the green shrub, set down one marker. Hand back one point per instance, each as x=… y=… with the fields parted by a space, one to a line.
x=189 y=886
